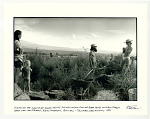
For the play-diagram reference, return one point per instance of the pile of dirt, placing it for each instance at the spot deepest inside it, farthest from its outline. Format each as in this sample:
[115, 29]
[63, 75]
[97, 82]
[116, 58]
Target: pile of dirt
[106, 95]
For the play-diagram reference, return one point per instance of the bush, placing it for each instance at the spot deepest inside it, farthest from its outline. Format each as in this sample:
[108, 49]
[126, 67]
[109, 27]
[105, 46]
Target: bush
[55, 73]
[69, 95]
[123, 83]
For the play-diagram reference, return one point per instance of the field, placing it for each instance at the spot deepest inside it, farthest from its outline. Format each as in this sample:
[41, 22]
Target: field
[56, 70]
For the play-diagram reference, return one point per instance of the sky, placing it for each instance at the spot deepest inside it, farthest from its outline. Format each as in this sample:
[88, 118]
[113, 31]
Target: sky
[109, 34]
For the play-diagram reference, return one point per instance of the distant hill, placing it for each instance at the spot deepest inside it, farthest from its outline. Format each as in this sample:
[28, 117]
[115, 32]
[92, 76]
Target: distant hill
[26, 44]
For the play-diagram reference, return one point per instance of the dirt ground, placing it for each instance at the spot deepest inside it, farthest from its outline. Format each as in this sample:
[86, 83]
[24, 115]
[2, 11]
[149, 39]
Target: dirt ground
[106, 95]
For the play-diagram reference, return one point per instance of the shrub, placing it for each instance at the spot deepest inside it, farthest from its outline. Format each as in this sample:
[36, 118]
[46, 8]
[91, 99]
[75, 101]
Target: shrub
[69, 95]
[55, 73]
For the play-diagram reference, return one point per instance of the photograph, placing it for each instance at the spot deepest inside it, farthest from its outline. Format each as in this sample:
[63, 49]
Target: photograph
[75, 58]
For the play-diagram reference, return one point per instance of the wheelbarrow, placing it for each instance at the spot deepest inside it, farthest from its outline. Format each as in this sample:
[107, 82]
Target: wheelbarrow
[81, 86]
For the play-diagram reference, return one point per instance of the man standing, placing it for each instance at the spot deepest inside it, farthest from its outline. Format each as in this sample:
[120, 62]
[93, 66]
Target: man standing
[126, 56]
[92, 56]
[92, 59]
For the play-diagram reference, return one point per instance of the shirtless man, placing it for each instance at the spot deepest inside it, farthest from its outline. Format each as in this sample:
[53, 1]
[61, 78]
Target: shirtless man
[126, 55]
[92, 59]
[92, 56]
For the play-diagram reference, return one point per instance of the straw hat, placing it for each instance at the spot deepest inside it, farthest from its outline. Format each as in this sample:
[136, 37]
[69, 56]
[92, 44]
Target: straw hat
[93, 45]
[128, 41]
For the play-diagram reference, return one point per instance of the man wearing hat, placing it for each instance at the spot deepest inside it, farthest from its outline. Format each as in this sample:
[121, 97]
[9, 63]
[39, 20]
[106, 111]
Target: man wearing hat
[92, 56]
[126, 54]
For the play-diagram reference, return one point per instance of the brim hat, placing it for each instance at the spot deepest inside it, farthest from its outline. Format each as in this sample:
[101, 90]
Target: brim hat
[128, 41]
[93, 45]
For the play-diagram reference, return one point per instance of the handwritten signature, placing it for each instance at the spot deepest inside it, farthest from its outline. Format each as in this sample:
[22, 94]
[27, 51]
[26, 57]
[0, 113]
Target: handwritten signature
[133, 107]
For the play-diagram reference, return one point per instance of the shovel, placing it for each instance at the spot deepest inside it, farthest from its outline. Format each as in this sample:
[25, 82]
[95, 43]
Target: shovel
[87, 74]
[91, 71]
